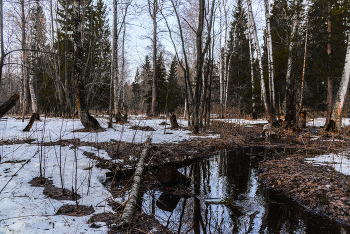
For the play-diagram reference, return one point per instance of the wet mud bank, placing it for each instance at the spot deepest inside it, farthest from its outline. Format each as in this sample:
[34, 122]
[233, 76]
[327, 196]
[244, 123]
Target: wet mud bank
[320, 190]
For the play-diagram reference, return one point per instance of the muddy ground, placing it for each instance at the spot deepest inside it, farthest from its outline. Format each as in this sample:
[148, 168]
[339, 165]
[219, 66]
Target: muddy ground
[318, 189]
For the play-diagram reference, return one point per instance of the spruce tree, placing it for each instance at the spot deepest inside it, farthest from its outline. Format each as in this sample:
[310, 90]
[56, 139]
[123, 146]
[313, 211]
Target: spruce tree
[239, 61]
[317, 59]
[161, 97]
[136, 92]
[174, 95]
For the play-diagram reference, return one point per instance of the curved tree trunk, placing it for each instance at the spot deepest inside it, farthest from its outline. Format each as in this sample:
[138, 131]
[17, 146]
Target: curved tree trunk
[89, 122]
[4, 108]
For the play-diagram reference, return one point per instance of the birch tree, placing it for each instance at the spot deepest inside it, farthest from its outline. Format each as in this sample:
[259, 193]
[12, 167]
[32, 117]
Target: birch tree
[257, 47]
[115, 84]
[270, 59]
[1, 39]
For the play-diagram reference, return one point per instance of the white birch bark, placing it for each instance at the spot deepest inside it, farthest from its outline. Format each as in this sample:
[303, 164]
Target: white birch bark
[251, 68]
[343, 88]
[1, 39]
[270, 55]
[257, 47]
[114, 66]
[130, 205]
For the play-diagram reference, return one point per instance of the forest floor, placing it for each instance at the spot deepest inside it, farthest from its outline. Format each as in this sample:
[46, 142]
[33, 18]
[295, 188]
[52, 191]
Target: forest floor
[287, 167]
[309, 165]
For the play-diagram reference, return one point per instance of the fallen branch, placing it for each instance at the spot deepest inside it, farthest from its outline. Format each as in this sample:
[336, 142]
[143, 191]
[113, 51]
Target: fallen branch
[130, 205]
[4, 108]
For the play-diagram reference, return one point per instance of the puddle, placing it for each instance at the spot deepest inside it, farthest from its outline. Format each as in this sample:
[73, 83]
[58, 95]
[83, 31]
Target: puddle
[229, 199]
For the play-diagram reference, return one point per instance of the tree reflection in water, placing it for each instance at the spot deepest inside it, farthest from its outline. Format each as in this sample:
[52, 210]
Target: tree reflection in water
[229, 199]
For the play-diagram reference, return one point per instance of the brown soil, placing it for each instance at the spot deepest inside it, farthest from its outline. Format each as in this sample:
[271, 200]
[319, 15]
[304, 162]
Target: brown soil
[142, 128]
[74, 210]
[53, 192]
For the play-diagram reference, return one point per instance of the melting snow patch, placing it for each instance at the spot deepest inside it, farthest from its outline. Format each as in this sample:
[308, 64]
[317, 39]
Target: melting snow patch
[339, 162]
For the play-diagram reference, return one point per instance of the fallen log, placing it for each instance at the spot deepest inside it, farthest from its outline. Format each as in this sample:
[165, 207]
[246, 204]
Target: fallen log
[130, 204]
[4, 108]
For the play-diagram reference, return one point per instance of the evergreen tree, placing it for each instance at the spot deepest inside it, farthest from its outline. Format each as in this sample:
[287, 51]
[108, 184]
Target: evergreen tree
[96, 54]
[174, 95]
[136, 91]
[280, 33]
[146, 81]
[317, 58]
[239, 61]
[161, 87]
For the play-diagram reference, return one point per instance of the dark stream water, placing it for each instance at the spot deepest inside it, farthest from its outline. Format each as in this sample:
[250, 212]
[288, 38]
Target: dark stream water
[229, 199]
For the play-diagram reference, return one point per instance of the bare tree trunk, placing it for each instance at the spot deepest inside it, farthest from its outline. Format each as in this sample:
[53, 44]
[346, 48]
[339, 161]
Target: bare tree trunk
[153, 13]
[4, 108]
[342, 92]
[290, 82]
[304, 67]
[114, 66]
[257, 47]
[24, 65]
[89, 122]
[329, 63]
[255, 116]
[270, 59]
[1, 40]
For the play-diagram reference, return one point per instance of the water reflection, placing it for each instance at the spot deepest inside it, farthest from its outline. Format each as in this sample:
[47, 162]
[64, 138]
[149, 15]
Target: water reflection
[229, 199]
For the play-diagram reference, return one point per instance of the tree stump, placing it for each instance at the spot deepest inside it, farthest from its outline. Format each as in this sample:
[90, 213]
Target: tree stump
[169, 176]
[302, 119]
[4, 108]
[35, 116]
[173, 121]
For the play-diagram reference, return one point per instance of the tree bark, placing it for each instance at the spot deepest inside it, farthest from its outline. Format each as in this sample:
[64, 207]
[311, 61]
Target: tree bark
[270, 59]
[257, 47]
[254, 114]
[1, 39]
[24, 58]
[4, 108]
[153, 14]
[342, 92]
[130, 205]
[89, 122]
[329, 78]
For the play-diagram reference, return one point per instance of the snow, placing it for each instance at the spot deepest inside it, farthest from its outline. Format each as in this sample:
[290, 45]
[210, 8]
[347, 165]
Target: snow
[340, 162]
[25, 209]
[54, 129]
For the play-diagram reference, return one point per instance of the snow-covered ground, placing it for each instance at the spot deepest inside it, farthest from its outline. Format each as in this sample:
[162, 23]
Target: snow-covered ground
[25, 209]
